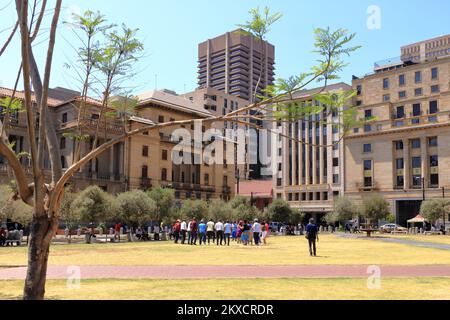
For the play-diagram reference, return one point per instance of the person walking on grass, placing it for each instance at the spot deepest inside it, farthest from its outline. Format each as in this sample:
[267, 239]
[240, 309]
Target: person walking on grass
[210, 231]
[219, 232]
[312, 234]
[202, 232]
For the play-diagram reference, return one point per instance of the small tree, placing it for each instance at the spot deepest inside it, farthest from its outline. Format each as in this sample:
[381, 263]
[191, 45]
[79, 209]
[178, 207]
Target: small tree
[343, 210]
[280, 211]
[375, 208]
[69, 215]
[135, 207]
[219, 210]
[296, 217]
[16, 211]
[164, 199]
[93, 205]
[243, 210]
[434, 209]
[194, 209]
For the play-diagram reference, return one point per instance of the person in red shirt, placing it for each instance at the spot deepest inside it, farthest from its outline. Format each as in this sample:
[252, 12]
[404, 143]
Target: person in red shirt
[117, 231]
[176, 230]
[194, 232]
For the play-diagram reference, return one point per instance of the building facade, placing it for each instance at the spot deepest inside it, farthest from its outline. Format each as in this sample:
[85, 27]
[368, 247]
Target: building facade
[403, 152]
[151, 154]
[141, 162]
[219, 103]
[236, 63]
[107, 171]
[309, 166]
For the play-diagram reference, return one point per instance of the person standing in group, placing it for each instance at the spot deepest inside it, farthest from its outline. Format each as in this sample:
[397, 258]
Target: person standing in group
[219, 232]
[234, 231]
[117, 227]
[194, 232]
[156, 233]
[256, 229]
[312, 234]
[202, 232]
[176, 230]
[245, 233]
[250, 233]
[188, 230]
[210, 231]
[239, 231]
[228, 230]
[183, 230]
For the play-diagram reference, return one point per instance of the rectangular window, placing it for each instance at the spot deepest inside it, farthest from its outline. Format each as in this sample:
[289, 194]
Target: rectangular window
[62, 143]
[433, 142]
[368, 114]
[335, 178]
[144, 172]
[145, 151]
[434, 73]
[367, 148]
[335, 162]
[64, 118]
[387, 97]
[367, 128]
[161, 119]
[399, 164]
[434, 161]
[359, 90]
[400, 112]
[367, 165]
[417, 172]
[418, 77]
[401, 80]
[415, 144]
[433, 107]
[402, 94]
[418, 92]
[386, 83]
[435, 89]
[417, 112]
[400, 181]
[398, 145]
[164, 155]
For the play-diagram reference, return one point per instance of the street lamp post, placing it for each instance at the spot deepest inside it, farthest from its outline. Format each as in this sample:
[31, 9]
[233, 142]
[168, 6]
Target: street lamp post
[423, 188]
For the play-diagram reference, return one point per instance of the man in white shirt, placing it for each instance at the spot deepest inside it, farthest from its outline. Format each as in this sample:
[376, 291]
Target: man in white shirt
[219, 232]
[256, 229]
[189, 231]
[183, 231]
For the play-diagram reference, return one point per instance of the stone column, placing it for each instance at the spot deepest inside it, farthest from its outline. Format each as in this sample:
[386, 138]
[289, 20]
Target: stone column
[321, 158]
[314, 154]
[307, 155]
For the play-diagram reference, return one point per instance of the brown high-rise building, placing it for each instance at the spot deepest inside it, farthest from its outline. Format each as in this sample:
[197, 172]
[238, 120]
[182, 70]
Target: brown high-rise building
[234, 62]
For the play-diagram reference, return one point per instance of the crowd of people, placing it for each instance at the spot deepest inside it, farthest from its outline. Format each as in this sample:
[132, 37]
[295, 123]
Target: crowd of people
[220, 233]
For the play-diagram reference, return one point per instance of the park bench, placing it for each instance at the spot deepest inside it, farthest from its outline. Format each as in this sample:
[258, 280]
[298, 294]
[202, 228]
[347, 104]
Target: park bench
[433, 233]
[399, 232]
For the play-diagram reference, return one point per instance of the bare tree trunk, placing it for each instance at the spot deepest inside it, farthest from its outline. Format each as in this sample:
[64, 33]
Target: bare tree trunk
[38, 252]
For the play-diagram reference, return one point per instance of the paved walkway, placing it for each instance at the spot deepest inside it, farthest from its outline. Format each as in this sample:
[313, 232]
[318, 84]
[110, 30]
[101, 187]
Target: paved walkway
[224, 272]
[423, 244]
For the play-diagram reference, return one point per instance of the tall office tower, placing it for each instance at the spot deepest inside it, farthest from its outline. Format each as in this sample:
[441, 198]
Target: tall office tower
[234, 63]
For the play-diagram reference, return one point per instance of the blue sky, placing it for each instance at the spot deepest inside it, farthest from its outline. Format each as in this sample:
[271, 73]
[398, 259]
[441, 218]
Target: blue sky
[171, 30]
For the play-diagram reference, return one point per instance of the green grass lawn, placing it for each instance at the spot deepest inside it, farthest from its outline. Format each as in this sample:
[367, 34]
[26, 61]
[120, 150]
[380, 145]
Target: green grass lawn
[332, 250]
[242, 289]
